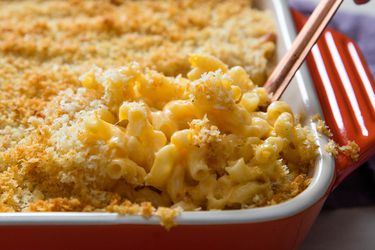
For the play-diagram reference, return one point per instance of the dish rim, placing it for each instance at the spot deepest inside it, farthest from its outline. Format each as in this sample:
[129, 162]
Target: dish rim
[323, 173]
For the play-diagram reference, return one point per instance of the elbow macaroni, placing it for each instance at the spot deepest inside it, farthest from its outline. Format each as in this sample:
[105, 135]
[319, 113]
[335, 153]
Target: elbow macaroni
[197, 142]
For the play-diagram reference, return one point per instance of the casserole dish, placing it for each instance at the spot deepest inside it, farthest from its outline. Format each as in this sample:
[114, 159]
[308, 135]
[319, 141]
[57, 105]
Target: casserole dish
[281, 226]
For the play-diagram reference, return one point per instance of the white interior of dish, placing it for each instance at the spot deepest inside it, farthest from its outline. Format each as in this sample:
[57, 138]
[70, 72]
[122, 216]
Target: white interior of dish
[300, 95]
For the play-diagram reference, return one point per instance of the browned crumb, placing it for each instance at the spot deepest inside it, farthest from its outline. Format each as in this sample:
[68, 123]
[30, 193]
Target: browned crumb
[167, 216]
[46, 45]
[316, 117]
[55, 205]
[332, 148]
[144, 209]
[4, 208]
[301, 117]
[321, 126]
[350, 150]
[147, 209]
[299, 183]
[73, 35]
[204, 133]
[124, 208]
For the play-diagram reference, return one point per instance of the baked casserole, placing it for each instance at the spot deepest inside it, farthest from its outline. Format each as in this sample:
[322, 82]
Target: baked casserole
[139, 106]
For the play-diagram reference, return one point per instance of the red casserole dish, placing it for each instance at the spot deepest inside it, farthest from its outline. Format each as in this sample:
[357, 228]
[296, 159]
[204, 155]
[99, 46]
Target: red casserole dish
[345, 90]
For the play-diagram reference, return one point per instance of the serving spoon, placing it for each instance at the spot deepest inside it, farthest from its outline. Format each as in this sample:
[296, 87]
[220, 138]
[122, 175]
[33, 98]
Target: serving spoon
[306, 39]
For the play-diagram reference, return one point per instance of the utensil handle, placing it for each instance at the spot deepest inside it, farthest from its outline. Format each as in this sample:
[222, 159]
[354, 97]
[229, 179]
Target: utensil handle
[293, 59]
[346, 91]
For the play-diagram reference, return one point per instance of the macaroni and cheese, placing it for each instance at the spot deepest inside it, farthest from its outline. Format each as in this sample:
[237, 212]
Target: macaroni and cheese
[181, 127]
[210, 140]
[201, 142]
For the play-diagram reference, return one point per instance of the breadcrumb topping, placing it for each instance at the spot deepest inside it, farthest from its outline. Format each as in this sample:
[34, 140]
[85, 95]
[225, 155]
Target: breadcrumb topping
[144, 209]
[350, 150]
[47, 161]
[332, 148]
[167, 216]
[204, 132]
[321, 126]
[45, 41]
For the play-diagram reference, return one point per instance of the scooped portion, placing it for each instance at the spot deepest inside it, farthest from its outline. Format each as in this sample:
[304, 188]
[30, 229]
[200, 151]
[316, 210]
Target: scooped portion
[130, 135]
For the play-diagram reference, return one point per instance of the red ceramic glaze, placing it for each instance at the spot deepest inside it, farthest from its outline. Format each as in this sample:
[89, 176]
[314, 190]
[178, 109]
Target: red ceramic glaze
[361, 1]
[345, 88]
[284, 234]
[341, 113]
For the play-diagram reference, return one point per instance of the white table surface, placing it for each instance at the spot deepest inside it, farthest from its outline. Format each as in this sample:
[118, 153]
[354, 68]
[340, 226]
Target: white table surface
[345, 229]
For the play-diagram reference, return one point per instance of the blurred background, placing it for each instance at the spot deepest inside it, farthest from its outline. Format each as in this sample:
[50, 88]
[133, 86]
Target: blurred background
[347, 220]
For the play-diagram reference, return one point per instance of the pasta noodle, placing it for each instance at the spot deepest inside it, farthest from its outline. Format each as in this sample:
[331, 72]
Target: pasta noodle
[166, 118]
[209, 145]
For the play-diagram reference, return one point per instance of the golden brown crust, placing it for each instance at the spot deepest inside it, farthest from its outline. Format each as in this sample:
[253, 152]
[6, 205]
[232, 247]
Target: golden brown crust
[299, 183]
[321, 126]
[350, 150]
[167, 216]
[46, 45]
[55, 205]
[158, 34]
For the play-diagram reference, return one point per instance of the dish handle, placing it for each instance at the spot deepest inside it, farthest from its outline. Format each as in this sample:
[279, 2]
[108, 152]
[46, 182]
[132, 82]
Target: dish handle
[345, 88]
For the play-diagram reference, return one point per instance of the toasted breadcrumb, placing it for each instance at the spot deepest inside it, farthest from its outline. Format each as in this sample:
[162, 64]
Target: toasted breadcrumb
[4, 208]
[55, 205]
[168, 216]
[301, 117]
[124, 208]
[144, 209]
[204, 133]
[332, 148]
[299, 183]
[321, 126]
[147, 210]
[40, 40]
[46, 164]
[350, 150]
[46, 45]
[316, 117]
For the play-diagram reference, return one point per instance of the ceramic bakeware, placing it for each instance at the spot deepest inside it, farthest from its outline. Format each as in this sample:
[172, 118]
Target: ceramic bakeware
[338, 85]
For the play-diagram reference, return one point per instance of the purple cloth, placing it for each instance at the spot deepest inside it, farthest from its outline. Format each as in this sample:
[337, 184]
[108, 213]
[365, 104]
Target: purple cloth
[359, 188]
